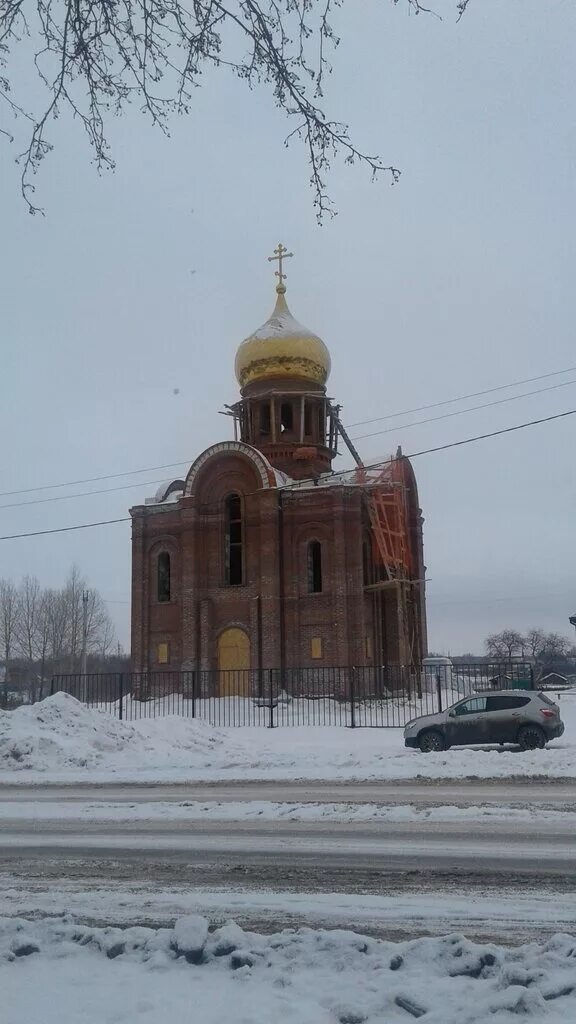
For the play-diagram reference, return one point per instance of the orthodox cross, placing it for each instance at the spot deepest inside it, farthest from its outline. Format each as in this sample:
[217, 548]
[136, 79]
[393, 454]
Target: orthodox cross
[280, 253]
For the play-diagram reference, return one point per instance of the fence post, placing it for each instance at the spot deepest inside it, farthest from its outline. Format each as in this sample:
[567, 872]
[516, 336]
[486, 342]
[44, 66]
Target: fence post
[439, 690]
[121, 697]
[531, 677]
[271, 699]
[52, 687]
[193, 693]
[352, 697]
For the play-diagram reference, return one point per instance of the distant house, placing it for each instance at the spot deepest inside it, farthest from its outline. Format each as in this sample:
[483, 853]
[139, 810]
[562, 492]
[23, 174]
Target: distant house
[552, 680]
[499, 682]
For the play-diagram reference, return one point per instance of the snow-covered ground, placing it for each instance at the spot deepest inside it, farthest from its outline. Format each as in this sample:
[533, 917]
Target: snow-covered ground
[61, 972]
[289, 711]
[96, 811]
[502, 914]
[60, 739]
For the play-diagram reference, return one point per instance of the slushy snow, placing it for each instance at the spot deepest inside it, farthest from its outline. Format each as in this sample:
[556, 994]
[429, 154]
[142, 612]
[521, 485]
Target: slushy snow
[122, 812]
[61, 972]
[60, 739]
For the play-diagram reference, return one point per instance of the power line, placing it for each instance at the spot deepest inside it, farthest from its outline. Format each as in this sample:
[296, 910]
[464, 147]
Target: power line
[358, 437]
[493, 433]
[311, 480]
[460, 412]
[376, 419]
[462, 398]
[82, 494]
[66, 529]
[95, 479]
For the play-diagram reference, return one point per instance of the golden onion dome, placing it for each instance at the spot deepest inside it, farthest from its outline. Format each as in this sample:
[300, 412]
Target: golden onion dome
[282, 347]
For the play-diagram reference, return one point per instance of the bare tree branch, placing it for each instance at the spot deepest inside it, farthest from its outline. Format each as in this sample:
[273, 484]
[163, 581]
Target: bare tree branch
[93, 57]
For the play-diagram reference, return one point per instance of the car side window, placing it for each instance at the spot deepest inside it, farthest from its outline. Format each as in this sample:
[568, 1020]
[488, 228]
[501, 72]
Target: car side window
[471, 707]
[504, 702]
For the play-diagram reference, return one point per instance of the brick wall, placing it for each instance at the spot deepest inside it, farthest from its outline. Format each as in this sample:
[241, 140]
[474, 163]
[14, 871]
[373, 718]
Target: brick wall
[282, 621]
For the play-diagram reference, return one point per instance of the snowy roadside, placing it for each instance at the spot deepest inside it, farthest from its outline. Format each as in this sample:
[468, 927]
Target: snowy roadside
[60, 740]
[492, 913]
[102, 976]
[95, 811]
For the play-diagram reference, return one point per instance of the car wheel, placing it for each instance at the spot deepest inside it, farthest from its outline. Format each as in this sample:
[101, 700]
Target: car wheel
[431, 741]
[531, 737]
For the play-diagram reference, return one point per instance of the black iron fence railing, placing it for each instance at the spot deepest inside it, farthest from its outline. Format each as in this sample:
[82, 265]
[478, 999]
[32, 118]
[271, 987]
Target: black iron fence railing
[381, 696]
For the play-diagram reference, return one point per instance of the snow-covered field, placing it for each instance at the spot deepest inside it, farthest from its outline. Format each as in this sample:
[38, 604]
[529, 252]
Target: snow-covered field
[61, 972]
[60, 739]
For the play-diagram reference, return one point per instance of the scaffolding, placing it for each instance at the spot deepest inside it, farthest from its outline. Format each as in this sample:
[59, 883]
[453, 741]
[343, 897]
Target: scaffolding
[386, 489]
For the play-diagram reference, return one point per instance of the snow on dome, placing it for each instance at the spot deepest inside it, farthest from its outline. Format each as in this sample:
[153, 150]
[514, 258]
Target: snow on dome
[283, 323]
[282, 347]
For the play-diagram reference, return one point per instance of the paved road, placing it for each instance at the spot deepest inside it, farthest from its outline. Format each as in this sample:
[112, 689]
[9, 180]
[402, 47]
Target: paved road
[316, 847]
[149, 871]
[521, 792]
[494, 881]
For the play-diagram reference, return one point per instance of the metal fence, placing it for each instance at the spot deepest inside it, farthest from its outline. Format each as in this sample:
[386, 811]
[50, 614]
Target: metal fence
[383, 696]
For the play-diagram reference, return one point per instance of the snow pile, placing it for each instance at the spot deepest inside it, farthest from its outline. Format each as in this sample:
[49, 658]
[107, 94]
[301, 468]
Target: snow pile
[66, 972]
[61, 732]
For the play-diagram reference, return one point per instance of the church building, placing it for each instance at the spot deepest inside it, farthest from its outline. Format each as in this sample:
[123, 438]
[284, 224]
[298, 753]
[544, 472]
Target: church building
[264, 556]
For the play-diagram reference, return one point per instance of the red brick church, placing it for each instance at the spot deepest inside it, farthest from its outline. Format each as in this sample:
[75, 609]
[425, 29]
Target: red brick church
[264, 557]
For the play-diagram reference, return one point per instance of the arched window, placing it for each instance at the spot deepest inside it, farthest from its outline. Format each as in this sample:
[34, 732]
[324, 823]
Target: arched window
[265, 419]
[234, 541]
[315, 567]
[163, 576]
[321, 430]
[286, 417]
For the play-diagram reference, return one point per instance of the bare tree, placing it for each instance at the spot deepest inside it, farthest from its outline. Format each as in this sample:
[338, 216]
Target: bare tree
[107, 638]
[72, 597]
[535, 642]
[93, 58]
[555, 647]
[27, 623]
[99, 629]
[43, 637]
[8, 618]
[505, 645]
[56, 612]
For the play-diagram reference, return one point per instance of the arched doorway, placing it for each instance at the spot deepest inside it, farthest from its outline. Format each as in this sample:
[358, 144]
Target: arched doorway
[234, 663]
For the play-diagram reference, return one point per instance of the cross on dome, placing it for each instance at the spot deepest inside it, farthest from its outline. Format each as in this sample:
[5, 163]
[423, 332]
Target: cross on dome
[280, 253]
[282, 348]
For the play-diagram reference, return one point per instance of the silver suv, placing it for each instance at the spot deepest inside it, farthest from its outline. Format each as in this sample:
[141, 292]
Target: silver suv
[528, 718]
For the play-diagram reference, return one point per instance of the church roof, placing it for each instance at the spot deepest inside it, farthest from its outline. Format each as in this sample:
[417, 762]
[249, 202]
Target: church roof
[171, 492]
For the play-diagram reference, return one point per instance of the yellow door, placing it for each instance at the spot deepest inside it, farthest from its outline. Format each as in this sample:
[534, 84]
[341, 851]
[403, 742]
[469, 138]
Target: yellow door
[234, 663]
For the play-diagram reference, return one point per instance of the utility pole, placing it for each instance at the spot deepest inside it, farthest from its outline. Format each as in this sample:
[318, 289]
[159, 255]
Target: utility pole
[84, 644]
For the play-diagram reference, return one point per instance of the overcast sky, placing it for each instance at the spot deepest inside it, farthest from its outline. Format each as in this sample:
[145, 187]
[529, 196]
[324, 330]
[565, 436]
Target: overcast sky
[458, 279]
